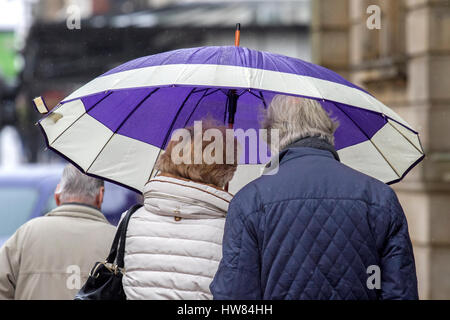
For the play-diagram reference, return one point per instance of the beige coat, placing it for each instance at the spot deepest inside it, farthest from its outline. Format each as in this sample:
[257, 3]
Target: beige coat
[50, 257]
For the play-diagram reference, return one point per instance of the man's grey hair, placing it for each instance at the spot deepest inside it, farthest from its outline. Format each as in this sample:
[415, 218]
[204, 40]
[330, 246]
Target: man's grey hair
[296, 118]
[76, 185]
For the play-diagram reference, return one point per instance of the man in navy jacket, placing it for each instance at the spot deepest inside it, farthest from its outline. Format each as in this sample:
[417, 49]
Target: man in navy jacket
[316, 229]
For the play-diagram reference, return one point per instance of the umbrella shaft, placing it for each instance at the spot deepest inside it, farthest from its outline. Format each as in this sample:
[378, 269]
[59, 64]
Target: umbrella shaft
[232, 105]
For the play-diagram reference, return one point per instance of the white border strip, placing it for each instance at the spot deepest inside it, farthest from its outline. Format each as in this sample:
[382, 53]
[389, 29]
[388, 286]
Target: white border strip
[234, 76]
[98, 150]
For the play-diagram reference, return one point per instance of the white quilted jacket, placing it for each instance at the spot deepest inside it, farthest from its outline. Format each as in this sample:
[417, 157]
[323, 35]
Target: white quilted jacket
[174, 242]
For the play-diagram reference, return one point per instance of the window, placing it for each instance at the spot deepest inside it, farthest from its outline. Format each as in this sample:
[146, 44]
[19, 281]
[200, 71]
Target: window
[17, 207]
[51, 204]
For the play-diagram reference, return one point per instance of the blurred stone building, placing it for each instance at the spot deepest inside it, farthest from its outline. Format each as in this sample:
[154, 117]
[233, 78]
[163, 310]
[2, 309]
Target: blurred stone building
[406, 64]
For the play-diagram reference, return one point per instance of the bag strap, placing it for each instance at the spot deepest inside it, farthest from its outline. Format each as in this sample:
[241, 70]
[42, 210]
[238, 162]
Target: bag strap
[120, 236]
[123, 235]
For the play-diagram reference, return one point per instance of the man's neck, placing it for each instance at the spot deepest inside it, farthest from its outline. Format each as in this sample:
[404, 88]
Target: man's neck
[79, 203]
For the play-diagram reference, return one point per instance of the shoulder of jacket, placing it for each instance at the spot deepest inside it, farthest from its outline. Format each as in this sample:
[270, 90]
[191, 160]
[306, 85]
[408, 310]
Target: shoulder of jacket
[248, 199]
[25, 230]
[32, 223]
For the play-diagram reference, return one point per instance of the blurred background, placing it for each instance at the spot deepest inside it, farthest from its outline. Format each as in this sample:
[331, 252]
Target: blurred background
[45, 50]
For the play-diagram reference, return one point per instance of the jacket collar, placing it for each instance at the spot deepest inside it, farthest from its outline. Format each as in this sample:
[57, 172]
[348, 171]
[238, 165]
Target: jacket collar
[309, 146]
[78, 210]
[172, 196]
[316, 143]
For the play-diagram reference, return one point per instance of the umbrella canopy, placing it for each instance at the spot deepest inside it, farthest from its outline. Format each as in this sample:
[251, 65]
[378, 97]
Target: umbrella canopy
[116, 125]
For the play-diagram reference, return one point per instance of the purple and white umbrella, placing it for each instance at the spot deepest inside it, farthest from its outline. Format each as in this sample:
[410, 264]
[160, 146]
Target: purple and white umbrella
[116, 125]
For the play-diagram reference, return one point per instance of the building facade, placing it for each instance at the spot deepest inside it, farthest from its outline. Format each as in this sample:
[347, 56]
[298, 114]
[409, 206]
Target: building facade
[406, 64]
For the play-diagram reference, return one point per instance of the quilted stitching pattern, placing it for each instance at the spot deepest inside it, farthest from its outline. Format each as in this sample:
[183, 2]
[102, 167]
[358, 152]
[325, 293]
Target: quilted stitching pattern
[316, 226]
[170, 258]
[311, 231]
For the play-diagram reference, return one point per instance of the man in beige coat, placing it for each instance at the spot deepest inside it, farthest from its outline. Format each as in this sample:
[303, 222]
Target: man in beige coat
[50, 257]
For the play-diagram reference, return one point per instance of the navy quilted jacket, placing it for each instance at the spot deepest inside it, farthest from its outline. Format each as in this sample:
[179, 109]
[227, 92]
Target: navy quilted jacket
[312, 231]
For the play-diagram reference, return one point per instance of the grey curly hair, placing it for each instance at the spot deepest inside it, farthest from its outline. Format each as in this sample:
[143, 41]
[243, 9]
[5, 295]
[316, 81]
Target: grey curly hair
[296, 118]
[75, 184]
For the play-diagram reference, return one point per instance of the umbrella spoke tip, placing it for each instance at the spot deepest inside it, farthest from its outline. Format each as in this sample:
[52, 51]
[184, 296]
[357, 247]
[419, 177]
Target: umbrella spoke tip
[40, 105]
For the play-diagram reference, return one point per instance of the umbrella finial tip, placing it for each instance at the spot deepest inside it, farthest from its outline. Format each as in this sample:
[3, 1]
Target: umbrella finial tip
[237, 35]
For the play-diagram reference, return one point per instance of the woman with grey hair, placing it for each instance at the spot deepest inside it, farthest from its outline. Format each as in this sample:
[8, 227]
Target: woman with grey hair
[316, 229]
[173, 244]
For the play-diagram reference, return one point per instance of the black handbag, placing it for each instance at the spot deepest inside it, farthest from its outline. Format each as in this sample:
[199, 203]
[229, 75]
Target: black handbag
[105, 278]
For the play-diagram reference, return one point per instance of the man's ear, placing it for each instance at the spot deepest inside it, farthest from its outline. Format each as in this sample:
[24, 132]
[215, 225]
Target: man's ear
[99, 197]
[57, 199]
[57, 195]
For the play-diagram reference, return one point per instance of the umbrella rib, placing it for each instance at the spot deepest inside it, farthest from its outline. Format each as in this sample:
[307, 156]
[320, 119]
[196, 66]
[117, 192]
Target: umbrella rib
[226, 109]
[76, 120]
[176, 116]
[171, 127]
[121, 124]
[253, 94]
[379, 151]
[263, 99]
[420, 151]
[260, 97]
[201, 90]
[212, 92]
[244, 91]
[195, 108]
